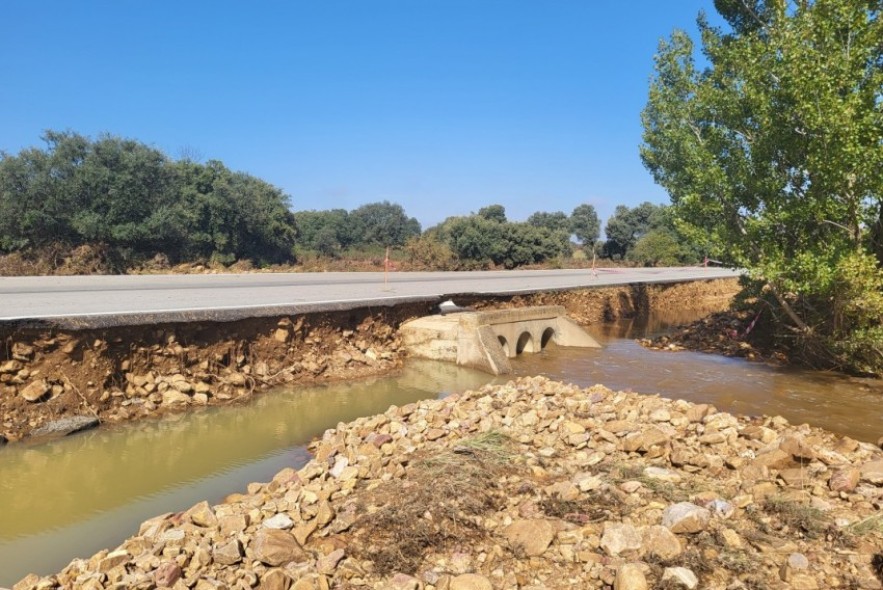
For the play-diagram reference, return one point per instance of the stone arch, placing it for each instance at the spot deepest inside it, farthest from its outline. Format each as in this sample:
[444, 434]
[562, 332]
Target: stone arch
[504, 344]
[525, 342]
[548, 335]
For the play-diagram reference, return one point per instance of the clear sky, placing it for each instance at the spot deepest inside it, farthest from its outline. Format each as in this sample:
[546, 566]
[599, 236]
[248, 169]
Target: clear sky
[443, 106]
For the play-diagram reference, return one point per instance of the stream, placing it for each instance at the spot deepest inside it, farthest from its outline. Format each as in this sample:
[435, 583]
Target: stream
[72, 497]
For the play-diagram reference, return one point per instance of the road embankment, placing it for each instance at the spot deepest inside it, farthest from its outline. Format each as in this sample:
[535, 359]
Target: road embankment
[55, 380]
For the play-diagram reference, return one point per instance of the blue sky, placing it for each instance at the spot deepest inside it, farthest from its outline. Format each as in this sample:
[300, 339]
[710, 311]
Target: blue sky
[443, 106]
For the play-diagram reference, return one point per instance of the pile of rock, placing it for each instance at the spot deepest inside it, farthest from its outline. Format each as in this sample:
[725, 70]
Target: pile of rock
[537, 484]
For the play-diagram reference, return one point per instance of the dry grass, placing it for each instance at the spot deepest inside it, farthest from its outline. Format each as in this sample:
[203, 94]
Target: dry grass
[796, 517]
[620, 472]
[870, 525]
[438, 505]
[707, 555]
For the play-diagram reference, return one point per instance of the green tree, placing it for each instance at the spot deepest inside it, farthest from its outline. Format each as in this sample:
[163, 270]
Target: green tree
[772, 156]
[478, 242]
[475, 240]
[524, 243]
[626, 226]
[493, 213]
[556, 222]
[327, 232]
[658, 247]
[384, 224]
[585, 225]
[136, 202]
[232, 215]
[428, 251]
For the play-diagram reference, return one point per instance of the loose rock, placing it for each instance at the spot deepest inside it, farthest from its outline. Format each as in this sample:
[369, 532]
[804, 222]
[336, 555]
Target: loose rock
[686, 517]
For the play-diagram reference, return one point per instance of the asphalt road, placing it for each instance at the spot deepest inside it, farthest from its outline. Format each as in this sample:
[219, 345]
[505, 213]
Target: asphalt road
[100, 301]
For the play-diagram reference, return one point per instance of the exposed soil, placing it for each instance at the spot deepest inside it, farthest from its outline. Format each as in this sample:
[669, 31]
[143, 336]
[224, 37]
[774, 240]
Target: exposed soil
[127, 373]
[734, 333]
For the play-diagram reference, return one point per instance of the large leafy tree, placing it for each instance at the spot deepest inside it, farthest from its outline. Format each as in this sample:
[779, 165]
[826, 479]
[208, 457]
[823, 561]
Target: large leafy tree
[628, 225]
[327, 232]
[384, 224]
[585, 225]
[493, 213]
[135, 201]
[477, 241]
[771, 151]
[556, 221]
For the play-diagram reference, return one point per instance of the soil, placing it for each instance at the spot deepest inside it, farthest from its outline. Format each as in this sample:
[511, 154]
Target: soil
[128, 373]
[734, 333]
[92, 259]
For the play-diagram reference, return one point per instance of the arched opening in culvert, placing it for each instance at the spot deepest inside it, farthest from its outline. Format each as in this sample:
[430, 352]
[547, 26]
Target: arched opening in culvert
[548, 335]
[504, 344]
[525, 342]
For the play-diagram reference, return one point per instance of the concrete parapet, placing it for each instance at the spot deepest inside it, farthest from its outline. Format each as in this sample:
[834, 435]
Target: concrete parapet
[486, 340]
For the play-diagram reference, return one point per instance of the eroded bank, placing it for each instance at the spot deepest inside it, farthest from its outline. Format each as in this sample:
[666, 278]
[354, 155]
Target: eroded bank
[129, 373]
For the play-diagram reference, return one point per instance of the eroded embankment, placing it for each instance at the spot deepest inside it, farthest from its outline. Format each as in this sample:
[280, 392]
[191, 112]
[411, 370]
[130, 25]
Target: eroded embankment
[126, 373]
[533, 484]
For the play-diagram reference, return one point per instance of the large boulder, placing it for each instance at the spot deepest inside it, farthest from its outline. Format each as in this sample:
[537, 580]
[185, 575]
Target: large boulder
[276, 547]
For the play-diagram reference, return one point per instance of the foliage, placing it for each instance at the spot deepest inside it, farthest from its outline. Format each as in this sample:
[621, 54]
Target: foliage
[227, 216]
[479, 242]
[626, 226]
[476, 241]
[772, 158]
[326, 232]
[657, 247]
[383, 224]
[585, 225]
[493, 213]
[136, 202]
[555, 222]
[428, 251]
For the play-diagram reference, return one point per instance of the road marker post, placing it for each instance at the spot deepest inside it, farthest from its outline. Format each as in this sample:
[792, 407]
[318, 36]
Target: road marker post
[386, 270]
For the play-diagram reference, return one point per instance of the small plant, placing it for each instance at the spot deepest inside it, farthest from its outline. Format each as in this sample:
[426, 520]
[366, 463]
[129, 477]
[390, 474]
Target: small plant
[866, 526]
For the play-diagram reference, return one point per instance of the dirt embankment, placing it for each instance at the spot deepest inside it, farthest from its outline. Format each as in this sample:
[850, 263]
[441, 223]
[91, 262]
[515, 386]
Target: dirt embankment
[533, 484]
[127, 373]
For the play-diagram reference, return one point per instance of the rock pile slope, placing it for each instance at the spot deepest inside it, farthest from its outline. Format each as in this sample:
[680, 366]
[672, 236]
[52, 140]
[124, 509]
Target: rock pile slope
[533, 484]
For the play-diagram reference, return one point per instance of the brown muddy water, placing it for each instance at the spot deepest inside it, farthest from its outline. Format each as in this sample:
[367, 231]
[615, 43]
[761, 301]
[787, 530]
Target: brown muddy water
[72, 497]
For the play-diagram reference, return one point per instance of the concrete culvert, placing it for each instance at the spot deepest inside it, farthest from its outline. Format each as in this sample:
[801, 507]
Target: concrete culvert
[504, 344]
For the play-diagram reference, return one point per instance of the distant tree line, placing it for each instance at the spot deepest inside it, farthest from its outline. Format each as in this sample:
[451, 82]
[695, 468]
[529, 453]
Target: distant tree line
[136, 202]
[643, 235]
[333, 232]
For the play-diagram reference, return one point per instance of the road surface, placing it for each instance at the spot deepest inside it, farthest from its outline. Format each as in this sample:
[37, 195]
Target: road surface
[101, 301]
